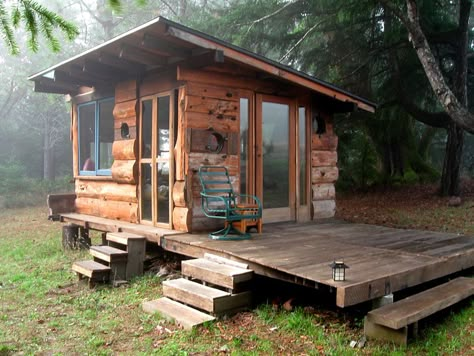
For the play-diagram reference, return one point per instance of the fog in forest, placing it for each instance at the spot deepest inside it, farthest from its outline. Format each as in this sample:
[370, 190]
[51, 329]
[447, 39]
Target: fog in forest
[348, 46]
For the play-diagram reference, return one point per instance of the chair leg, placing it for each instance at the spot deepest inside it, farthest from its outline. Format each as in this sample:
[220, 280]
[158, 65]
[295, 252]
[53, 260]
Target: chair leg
[229, 233]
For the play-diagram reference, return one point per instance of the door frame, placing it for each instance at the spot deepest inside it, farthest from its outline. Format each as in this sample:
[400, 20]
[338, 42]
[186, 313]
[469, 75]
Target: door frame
[154, 160]
[286, 213]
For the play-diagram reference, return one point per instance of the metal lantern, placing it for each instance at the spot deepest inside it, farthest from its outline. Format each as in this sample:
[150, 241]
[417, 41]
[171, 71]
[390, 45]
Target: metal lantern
[339, 270]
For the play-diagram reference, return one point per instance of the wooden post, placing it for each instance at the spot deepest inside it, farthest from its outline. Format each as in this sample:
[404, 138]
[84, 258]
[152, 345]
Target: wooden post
[84, 238]
[104, 238]
[70, 236]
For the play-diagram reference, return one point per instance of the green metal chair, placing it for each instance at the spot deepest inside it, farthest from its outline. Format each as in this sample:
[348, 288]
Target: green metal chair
[218, 201]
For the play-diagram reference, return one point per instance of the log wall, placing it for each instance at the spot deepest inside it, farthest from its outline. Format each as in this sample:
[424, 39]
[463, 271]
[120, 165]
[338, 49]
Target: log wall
[115, 197]
[204, 109]
[324, 171]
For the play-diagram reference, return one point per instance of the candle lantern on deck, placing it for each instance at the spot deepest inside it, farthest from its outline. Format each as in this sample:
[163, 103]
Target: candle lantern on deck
[339, 270]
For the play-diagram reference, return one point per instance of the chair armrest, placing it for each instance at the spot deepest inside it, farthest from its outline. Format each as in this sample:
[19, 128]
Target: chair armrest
[210, 211]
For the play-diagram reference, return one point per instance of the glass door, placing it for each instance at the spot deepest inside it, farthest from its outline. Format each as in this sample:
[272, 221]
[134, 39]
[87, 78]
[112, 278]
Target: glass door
[156, 159]
[276, 157]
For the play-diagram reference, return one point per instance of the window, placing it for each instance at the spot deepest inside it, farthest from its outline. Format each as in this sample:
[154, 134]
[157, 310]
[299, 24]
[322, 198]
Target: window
[96, 136]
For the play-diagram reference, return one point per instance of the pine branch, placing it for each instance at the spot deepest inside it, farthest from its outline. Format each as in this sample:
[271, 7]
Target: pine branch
[7, 31]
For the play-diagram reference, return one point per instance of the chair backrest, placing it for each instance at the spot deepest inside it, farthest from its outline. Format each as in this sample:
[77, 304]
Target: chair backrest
[215, 180]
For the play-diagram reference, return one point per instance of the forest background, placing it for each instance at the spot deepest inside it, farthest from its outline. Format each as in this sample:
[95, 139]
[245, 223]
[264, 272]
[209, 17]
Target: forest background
[359, 45]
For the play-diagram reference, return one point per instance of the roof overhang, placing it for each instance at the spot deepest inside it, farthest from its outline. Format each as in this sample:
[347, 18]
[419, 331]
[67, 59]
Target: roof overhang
[162, 44]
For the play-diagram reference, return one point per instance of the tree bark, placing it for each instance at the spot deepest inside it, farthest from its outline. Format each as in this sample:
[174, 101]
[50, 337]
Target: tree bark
[450, 179]
[453, 106]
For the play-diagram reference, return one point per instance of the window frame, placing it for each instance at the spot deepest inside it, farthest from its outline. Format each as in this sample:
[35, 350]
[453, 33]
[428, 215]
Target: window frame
[96, 171]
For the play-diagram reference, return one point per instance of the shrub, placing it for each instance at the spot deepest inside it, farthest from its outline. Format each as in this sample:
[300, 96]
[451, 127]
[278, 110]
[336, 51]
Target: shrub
[18, 190]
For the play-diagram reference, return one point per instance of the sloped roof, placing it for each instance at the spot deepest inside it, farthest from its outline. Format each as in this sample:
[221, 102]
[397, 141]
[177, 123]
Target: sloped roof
[160, 43]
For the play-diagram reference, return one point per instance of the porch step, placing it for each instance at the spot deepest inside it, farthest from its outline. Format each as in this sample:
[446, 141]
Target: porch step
[216, 273]
[391, 321]
[93, 270]
[108, 253]
[135, 245]
[124, 238]
[183, 315]
[205, 298]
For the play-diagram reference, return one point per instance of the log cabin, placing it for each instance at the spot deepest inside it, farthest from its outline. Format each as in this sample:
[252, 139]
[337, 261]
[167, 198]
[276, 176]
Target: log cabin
[150, 106]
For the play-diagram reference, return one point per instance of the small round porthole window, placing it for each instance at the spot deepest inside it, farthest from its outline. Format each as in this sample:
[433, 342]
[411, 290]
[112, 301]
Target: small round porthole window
[215, 142]
[124, 130]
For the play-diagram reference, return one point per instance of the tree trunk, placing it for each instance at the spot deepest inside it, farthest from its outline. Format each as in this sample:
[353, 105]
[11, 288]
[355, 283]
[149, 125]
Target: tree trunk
[450, 180]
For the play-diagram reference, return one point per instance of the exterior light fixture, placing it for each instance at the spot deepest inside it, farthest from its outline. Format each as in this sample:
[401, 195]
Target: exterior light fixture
[339, 270]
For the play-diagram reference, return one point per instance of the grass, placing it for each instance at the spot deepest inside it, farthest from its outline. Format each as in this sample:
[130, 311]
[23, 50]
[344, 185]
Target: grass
[43, 310]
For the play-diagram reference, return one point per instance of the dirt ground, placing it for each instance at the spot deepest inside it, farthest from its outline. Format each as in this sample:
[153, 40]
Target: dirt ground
[415, 207]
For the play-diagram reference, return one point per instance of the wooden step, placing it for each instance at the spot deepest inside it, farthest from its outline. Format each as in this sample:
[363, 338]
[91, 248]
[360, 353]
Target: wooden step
[123, 238]
[108, 253]
[135, 245]
[183, 315]
[390, 322]
[215, 273]
[94, 270]
[205, 298]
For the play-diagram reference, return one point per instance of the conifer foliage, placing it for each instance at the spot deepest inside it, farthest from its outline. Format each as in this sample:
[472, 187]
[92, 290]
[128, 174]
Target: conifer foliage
[37, 20]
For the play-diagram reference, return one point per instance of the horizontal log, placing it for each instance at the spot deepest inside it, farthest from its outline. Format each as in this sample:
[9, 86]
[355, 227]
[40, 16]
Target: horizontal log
[179, 194]
[182, 219]
[323, 158]
[324, 142]
[125, 149]
[324, 191]
[324, 209]
[324, 175]
[116, 210]
[205, 121]
[125, 171]
[158, 82]
[211, 106]
[196, 186]
[107, 191]
[125, 91]
[215, 92]
[132, 132]
[205, 224]
[126, 112]
[196, 160]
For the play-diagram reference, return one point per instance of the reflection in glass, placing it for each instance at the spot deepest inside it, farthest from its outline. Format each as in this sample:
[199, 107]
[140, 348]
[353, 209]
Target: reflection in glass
[163, 125]
[302, 139]
[87, 137]
[244, 131]
[163, 201]
[275, 147]
[146, 128]
[147, 191]
[106, 134]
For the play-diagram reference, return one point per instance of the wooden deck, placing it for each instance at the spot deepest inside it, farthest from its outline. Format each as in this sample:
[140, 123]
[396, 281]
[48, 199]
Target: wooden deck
[382, 260]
